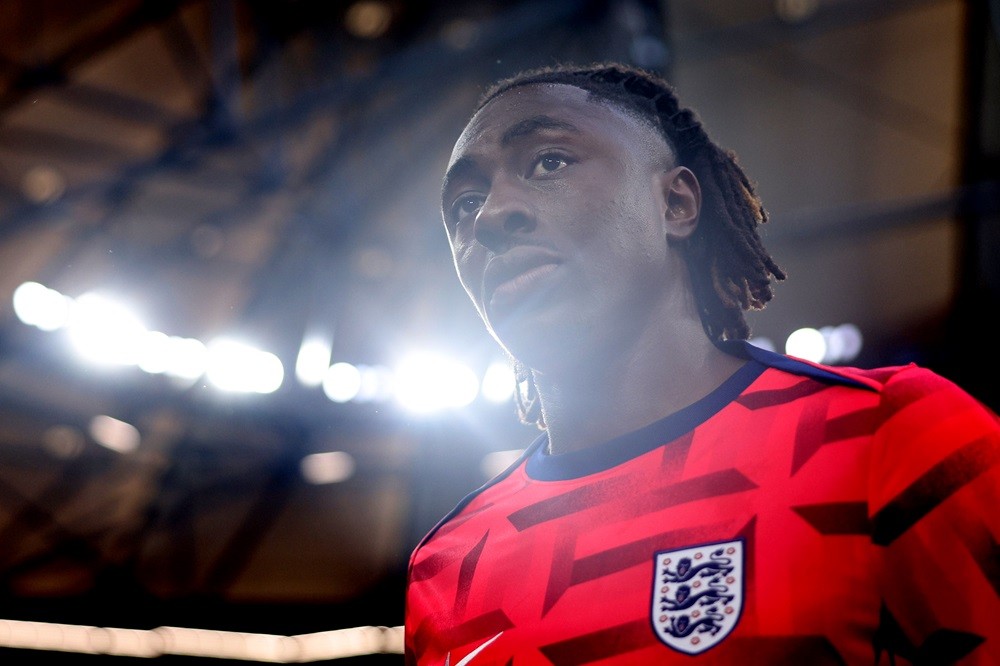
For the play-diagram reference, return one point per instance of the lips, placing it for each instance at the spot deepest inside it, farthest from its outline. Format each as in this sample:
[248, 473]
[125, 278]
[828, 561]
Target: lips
[514, 274]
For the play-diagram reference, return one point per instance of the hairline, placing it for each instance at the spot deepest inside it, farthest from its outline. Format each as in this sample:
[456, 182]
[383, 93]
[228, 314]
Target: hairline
[594, 95]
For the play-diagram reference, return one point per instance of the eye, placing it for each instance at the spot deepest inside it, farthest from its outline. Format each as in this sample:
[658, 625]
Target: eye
[547, 163]
[466, 206]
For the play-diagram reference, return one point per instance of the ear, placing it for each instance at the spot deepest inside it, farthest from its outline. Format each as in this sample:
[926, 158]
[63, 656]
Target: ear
[681, 202]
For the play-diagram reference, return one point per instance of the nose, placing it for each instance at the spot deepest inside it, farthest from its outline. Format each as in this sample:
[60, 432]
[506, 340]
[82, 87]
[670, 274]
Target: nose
[505, 213]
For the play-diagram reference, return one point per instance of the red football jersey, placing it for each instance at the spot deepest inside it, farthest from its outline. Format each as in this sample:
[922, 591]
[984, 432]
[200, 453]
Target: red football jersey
[799, 514]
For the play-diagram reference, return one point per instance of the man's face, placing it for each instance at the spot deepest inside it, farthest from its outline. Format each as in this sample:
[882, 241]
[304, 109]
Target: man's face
[554, 209]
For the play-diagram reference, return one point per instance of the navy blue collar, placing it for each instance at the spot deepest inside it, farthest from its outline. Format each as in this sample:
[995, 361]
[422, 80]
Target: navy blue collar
[545, 467]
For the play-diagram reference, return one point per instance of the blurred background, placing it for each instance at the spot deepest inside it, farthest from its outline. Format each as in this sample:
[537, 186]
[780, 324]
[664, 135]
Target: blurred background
[238, 377]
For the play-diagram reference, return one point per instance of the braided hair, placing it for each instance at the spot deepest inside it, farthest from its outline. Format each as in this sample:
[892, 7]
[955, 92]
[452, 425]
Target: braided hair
[731, 270]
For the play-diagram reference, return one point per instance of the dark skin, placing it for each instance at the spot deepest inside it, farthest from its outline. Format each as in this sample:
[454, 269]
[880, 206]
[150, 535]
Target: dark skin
[565, 218]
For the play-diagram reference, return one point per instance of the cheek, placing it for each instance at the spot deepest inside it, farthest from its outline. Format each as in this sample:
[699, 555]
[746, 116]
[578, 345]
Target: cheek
[639, 213]
[613, 204]
[469, 264]
[627, 243]
[625, 222]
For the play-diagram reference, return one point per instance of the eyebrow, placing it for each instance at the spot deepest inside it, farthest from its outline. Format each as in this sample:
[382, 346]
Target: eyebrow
[464, 167]
[467, 166]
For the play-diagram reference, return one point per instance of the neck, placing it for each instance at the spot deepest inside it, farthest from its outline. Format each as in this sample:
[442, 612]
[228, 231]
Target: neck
[587, 404]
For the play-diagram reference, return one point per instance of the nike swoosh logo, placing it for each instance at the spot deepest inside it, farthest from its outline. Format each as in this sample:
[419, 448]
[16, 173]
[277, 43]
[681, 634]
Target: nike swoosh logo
[469, 657]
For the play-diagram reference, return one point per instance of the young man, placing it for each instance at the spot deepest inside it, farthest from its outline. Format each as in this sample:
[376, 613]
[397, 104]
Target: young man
[692, 498]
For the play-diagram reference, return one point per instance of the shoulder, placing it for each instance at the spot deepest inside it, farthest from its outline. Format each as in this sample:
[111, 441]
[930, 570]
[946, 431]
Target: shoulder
[902, 387]
[897, 385]
[916, 398]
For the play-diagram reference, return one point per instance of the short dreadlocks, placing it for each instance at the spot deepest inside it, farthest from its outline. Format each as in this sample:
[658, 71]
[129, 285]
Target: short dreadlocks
[731, 270]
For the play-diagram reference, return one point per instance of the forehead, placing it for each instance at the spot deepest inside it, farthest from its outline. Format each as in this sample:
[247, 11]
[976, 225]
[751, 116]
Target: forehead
[549, 106]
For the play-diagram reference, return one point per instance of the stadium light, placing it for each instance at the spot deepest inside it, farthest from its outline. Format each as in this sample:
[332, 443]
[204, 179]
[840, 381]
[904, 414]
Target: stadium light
[239, 367]
[427, 382]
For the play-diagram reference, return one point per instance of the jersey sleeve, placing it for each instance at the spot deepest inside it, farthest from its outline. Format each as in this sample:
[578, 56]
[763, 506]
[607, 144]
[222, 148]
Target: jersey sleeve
[934, 506]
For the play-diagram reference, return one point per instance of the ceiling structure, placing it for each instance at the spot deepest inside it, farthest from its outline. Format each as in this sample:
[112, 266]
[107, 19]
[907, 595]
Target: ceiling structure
[270, 170]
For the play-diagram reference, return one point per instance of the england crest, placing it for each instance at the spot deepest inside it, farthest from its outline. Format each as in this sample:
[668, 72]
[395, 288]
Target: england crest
[697, 595]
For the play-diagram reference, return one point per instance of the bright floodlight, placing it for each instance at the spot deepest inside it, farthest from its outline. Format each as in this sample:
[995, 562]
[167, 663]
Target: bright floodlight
[376, 383]
[341, 382]
[498, 382]
[37, 305]
[328, 467]
[238, 367]
[104, 331]
[153, 352]
[806, 343]
[427, 382]
[313, 360]
[186, 358]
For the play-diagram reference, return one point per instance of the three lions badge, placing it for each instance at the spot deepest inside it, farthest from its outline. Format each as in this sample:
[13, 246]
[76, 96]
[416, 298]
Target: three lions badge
[697, 595]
